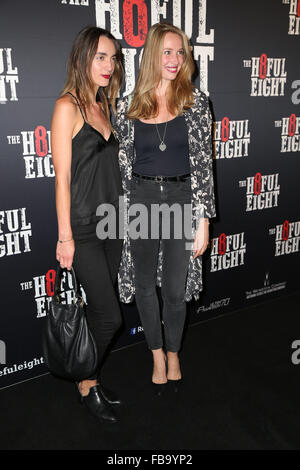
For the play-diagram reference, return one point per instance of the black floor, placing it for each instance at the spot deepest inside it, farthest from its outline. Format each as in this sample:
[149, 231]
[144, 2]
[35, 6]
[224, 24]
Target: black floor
[241, 391]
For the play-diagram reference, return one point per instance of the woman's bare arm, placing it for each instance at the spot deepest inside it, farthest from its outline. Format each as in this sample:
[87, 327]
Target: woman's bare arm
[62, 128]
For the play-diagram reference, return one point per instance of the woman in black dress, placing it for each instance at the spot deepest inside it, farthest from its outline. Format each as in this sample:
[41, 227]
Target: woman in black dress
[87, 174]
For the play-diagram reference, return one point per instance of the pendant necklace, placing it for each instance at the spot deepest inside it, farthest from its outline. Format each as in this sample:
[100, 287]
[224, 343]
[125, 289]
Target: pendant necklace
[162, 145]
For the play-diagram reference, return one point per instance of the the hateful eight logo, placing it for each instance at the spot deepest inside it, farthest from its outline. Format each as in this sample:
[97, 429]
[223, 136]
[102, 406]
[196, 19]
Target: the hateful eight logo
[268, 75]
[15, 232]
[8, 76]
[36, 152]
[231, 138]
[228, 251]
[290, 133]
[43, 287]
[129, 21]
[262, 191]
[287, 237]
[294, 16]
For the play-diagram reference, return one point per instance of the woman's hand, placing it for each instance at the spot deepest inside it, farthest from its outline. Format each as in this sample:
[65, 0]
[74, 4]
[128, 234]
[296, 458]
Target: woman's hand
[65, 253]
[201, 241]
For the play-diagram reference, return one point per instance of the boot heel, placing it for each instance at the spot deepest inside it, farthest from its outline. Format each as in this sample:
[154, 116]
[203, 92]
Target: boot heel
[98, 406]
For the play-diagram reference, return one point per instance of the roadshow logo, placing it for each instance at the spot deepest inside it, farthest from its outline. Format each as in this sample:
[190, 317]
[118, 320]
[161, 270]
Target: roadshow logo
[267, 288]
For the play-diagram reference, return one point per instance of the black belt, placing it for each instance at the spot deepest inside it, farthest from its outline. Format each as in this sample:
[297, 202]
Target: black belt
[160, 179]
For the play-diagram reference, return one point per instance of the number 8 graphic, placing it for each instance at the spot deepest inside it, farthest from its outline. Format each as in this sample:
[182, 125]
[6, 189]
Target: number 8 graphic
[222, 244]
[263, 66]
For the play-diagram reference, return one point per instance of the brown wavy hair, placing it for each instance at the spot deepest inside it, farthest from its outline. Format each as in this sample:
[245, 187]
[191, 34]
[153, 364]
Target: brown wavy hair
[79, 70]
[180, 92]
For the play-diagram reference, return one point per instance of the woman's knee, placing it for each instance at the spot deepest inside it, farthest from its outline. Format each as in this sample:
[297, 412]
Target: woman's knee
[144, 289]
[173, 296]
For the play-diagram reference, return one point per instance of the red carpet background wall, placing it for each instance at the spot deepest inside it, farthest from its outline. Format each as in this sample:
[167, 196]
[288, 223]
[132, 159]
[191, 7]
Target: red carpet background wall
[247, 56]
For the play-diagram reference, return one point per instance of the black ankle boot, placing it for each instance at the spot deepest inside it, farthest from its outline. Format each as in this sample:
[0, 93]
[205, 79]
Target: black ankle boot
[109, 396]
[98, 406]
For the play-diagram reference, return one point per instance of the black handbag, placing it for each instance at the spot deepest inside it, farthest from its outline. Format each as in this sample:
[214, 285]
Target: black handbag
[70, 350]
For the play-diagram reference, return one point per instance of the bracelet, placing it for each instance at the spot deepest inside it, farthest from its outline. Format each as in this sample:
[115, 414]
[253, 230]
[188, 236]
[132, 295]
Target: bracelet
[64, 241]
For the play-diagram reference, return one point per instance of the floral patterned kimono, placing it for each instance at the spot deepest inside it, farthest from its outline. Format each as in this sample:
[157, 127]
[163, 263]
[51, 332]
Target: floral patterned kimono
[199, 124]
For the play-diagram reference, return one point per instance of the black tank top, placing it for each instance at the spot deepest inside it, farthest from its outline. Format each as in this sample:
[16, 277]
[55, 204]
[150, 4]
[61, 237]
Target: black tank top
[150, 160]
[95, 173]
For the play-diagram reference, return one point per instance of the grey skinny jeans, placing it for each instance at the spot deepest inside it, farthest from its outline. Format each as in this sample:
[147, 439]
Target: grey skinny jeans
[174, 266]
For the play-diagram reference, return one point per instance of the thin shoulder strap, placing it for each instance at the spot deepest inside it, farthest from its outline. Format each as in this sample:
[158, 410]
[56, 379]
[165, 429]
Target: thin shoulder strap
[77, 103]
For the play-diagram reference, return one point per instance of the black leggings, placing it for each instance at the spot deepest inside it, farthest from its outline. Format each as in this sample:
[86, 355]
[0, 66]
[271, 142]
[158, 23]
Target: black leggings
[96, 263]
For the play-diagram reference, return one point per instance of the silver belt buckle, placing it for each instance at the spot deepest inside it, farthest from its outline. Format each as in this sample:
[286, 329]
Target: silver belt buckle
[159, 179]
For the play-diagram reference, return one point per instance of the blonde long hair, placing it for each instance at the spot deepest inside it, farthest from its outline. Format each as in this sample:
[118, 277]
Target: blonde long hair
[180, 93]
[79, 67]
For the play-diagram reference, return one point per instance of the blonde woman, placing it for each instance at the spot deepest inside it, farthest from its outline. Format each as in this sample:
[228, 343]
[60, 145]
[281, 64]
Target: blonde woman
[165, 158]
[85, 156]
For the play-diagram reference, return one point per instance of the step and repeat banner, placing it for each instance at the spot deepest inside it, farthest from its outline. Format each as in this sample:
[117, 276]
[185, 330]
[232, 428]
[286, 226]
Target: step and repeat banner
[247, 58]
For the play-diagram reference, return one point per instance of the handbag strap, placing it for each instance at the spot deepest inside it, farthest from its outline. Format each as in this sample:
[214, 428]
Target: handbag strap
[57, 284]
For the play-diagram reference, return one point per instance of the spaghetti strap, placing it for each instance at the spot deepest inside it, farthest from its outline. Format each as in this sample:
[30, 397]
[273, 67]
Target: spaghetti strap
[68, 92]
